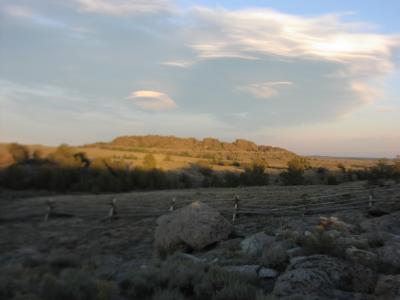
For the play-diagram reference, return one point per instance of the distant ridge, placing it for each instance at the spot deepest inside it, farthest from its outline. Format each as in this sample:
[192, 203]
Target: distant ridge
[172, 142]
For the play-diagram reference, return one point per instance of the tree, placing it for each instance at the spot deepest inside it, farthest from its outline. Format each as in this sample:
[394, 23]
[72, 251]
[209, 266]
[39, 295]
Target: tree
[18, 152]
[295, 172]
[149, 161]
[255, 175]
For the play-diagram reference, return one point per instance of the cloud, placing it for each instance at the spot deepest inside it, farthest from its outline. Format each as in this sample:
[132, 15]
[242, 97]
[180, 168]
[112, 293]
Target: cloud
[18, 11]
[152, 100]
[124, 7]
[367, 93]
[178, 63]
[265, 90]
[256, 32]
[27, 13]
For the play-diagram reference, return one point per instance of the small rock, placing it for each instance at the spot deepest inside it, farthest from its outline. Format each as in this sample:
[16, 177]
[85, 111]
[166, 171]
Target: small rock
[362, 257]
[192, 258]
[251, 270]
[352, 241]
[267, 273]
[295, 252]
[254, 244]
[388, 287]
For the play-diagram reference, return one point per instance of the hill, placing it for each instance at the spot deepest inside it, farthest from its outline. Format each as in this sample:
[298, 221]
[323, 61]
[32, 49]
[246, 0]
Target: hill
[220, 153]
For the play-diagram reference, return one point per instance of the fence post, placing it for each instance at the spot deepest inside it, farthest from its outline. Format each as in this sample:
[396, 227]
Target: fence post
[305, 198]
[304, 210]
[113, 209]
[172, 206]
[371, 199]
[236, 209]
[49, 210]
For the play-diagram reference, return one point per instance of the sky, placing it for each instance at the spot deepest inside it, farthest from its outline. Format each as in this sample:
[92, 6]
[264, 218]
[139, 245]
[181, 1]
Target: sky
[318, 77]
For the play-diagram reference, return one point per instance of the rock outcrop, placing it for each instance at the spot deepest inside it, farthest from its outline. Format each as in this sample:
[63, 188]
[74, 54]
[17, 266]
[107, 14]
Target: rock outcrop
[323, 277]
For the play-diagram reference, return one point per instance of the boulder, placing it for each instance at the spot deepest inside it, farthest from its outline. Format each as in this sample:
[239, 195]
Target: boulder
[323, 277]
[389, 223]
[389, 256]
[253, 245]
[195, 226]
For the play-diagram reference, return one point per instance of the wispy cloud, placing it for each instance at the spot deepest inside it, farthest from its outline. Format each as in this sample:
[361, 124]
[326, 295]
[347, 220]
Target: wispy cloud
[178, 63]
[125, 7]
[367, 93]
[152, 100]
[266, 90]
[263, 31]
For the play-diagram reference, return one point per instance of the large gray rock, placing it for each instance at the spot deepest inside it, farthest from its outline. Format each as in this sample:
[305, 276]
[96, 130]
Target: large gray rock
[253, 245]
[195, 226]
[389, 256]
[389, 223]
[323, 277]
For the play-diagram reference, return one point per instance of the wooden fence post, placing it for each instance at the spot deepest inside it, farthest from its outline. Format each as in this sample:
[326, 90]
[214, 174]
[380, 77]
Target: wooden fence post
[304, 210]
[113, 209]
[236, 209]
[172, 206]
[371, 199]
[49, 210]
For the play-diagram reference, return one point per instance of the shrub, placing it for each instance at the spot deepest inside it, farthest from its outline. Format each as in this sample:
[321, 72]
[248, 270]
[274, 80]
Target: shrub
[168, 295]
[149, 161]
[332, 180]
[318, 242]
[60, 262]
[295, 172]
[18, 152]
[255, 175]
[106, 290]
[237, 291]
[274, 257]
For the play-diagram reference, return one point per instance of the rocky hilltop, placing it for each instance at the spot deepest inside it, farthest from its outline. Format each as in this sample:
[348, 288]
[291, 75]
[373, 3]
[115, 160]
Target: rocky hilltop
[172, 142]
[240, 149]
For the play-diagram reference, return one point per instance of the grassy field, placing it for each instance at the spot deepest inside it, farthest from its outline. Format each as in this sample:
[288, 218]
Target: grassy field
[80, 223]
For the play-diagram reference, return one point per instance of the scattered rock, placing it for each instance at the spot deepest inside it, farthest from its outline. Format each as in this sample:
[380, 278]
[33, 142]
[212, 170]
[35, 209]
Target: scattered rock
[251, 270]
[353, 241]
[362, 257]
[267, 273]
[192, 258]
[388, 287]
[253, 245]
[295, 252]
[195, 226]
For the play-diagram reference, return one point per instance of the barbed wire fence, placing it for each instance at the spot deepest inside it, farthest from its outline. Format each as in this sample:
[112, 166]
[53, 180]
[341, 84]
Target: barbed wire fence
[235, 208]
